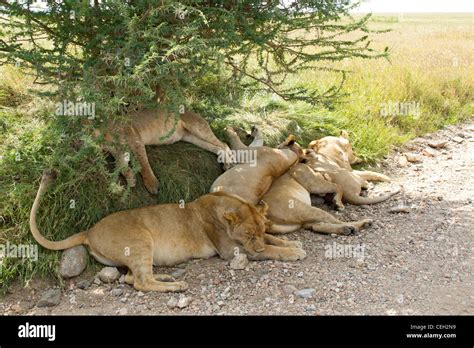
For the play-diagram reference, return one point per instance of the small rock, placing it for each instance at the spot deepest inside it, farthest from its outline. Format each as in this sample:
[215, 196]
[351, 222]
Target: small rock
[117, 292]
[400, 209]
[391, 312]
[429, 152]
[289, 289]
[122, 279]
[140, 294]
[84, 284]
[402, 161]
[239, 261]
[178, 273]
[122, 311]
[50, 298]
[109, 274]
[437, 144]
[172, 303]
[305, 293]
[183, 301]
[16, 308]
[458, 140]
[412, 158]
[96, 281]
[73, 262]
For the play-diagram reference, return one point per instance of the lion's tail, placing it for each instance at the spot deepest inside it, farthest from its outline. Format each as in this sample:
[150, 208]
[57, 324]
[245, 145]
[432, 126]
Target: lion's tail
[77, 239]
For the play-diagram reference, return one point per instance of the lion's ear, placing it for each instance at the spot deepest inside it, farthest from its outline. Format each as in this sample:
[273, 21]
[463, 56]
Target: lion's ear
[231, 217]
[262, 208]
[344, 134]
[290, 140]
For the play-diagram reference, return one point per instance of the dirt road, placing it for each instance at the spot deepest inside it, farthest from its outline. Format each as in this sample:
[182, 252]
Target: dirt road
[420, 261]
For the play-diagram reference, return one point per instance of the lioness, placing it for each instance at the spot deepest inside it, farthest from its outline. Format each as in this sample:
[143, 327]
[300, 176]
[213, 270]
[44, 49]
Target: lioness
[288, 197]
[251, 182]
[349, 183]
[339, 150]
[156, 127]
[166, 234]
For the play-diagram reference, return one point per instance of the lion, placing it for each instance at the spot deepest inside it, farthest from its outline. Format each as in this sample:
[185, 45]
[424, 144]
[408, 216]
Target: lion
[339, 150]
[156, 127]
[251, 181]
[350, 183]
[288, 197]
[167, 234]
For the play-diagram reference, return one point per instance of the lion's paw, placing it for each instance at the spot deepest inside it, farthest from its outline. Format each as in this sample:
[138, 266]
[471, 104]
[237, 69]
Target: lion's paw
[294, 254]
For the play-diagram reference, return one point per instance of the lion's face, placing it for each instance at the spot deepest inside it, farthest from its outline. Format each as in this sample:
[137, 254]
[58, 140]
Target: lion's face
[247, 227]
[337, 148]
[346, 151]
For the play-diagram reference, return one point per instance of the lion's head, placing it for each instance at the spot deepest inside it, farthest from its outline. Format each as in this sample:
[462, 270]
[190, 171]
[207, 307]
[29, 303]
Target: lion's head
[247, 226]
[336, 148]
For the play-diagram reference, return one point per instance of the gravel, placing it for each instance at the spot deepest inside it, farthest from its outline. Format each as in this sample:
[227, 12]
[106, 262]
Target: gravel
[50, 298]
[416, 263]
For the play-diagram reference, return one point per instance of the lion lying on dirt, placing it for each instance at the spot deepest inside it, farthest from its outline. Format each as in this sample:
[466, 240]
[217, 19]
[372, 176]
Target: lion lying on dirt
[288, 197]
[154, 127]
[333, 156]
[348, 183]
[167, 234]
[339, 149]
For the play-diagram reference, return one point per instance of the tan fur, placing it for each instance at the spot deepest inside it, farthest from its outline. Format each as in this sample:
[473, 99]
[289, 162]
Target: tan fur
[154, 127]
[334, 156]
[167, 234]
[289, 195]
[290, 207]
[338, 149]
[251, 183]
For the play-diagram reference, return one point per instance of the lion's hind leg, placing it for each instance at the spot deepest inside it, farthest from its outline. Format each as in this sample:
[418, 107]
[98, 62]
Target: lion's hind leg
[129, 279]
[320, 221]
[199, 128]
[140, 265]
[144, 280]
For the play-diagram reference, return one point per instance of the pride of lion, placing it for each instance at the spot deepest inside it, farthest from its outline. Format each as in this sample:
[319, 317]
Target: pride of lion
[246, 206]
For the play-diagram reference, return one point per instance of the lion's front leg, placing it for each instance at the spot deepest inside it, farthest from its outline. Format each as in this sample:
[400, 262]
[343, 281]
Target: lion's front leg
[272, 252]
[272, 240]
